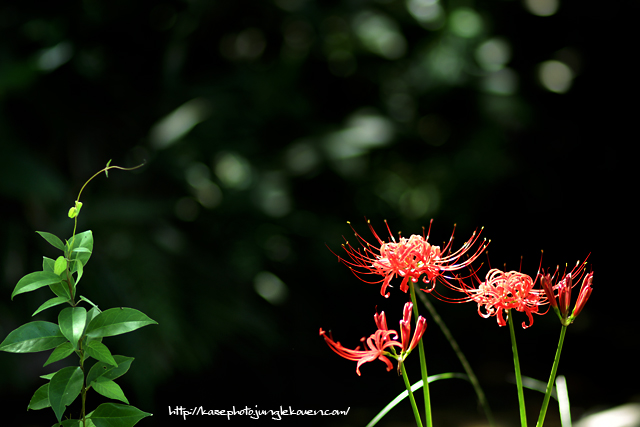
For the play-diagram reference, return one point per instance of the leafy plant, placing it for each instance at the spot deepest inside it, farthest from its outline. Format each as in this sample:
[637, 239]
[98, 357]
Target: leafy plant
[79, 331]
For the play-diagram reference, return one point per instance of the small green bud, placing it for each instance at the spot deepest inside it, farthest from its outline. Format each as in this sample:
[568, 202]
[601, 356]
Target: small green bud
[74, 211]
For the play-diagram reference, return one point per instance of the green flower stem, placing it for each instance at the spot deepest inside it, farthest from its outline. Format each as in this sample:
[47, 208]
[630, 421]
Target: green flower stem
[516, 363]
[552, 378]
[83, 416]
[423, 363]
[414, 406]
[463, 360]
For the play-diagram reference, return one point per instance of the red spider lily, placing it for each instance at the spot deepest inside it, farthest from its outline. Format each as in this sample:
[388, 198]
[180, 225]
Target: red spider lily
[503, 291]
[380, 344]
[563, 287]
[377, 344]
[408, 258]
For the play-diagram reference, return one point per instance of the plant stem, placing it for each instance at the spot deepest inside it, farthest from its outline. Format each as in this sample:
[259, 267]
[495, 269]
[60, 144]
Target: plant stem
[423, 363]
[552, 378]
[516, 363]
[414, 406]
[84, 388]
[463, 360]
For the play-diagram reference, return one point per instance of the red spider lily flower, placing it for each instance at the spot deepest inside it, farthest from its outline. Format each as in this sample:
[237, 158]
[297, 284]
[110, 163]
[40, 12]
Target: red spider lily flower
[377, 344]
[563, 288]
[503, 291]
[381, 345]
[408, 258]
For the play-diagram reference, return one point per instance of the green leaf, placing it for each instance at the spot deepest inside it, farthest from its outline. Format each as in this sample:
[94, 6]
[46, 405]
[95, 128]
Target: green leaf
[64, 387]
[100, 352]
[80, 240]
[48, 376]
[73, 423]
[109, 389]
[116, 321]
[33, 281]
[54, 240]
[33, 337]
[60, 265]
[116, 415]
[72, 321]
[40, 398]
[77, 268]
[59, 353]
[47, 264]
[91, 314]
[50, 303]
[108, 372]
[87, 300]
[61, 289]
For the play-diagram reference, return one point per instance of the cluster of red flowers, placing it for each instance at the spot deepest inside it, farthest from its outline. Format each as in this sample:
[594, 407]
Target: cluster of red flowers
[413, 258]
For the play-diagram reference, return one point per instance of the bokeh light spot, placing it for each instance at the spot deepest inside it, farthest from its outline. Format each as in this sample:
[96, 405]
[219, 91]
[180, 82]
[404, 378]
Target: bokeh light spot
[541, 7]
[301, 157]
[272, 195]
[380, 34]
[418, 202]
[555, 76]
[233, 170]
[270, 287]
[364, 130]
[246, 45]
[465, 22]
[493, 54]
[445, 63]
[501, 82]
[178, 123]
[53, 57]
[428, 13]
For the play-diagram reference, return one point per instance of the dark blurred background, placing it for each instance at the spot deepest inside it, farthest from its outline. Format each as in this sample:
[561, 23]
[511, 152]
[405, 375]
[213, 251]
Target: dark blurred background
[265, 126]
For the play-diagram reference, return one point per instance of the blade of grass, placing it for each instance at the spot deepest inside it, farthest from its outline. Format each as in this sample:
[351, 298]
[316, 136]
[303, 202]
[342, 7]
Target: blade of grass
[536, 385]
[414, 387]
[563, 401]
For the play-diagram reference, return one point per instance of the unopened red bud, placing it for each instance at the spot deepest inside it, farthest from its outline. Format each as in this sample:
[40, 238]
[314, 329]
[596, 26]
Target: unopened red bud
[421, 326]
[564, 295]
[585, 292]
[548, 290]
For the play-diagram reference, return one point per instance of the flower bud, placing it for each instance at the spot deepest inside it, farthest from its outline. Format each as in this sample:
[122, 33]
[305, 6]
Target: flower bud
[564, 295]
[545, 280]
[585, 292]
